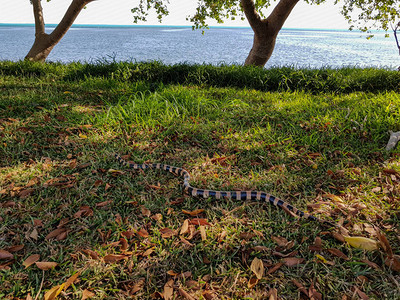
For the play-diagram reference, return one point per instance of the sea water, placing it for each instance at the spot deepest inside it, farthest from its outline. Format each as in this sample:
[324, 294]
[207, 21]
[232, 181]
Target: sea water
[171, 45]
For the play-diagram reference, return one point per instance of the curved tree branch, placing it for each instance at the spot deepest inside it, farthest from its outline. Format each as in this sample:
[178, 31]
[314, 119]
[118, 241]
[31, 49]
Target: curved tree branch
[39, 19]
[251, 13]
[280, 13]
[66, 22]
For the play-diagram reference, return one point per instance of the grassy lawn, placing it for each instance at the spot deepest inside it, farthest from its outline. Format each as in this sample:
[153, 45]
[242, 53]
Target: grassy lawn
[315, 138]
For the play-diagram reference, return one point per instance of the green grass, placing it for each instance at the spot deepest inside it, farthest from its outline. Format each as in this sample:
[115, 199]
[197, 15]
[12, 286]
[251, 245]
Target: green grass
[298, 134]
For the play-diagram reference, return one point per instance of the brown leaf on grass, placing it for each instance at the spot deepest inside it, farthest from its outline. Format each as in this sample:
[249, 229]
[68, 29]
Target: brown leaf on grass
[53, 292]
[34, 234]
[197, 221]
[28, 297]
[393, 263]
[5, 255]
[274, 268]
[86, 294]
[281, 241]
[384, 243]
[145, 211]
[257, 267]
[185, 227]
[337, 236]
[46, 265]
[91, 253]
[31, 260]
[203, 233]
[279, 254]
[193, 213]
[16, 248]
[148, 252]
[247, 235]
[124, 244]
[273, 294]
[361, 294]
[138, 286]
[157, 217]
[293, 261]
[84, 211]
[71, 280]
[300, 287]
[252, 282]
[142, 233]
[55, 233]
[186, 295]
[371, 264]
[128, 234]
[337, 253]
[317, 246]
[112, 258]
[167, 233]
[168, 290]
[186, 242]
[313, 293]
[104, 203]
[25, 193]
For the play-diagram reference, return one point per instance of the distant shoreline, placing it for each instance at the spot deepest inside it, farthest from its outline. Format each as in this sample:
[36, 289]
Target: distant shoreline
[165, 26]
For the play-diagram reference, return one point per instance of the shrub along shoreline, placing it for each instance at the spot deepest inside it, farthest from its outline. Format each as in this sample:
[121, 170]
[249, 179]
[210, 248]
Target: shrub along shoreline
[314, 138]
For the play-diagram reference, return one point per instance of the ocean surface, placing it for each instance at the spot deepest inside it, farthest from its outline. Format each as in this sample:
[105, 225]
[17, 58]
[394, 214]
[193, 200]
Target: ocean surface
[171, 45]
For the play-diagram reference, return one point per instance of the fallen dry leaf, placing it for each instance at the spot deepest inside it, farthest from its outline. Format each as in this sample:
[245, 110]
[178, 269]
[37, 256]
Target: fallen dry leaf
[337, 253]
[86, 294]
[31, 260]
[257, 267]
[55, 233]
[71, 280]
[203, 233]
[393, 263]
[292, 261]
[16, 248]
[361, 242]
[274, 268]
[384, 243]
[197, 221]
[252, 282]
[371, 264]
[46, 265]
[5, 255]
[193, 213]
[53, 292]
[143, 233]
[91, 253]
[138, 286]
[186, 295]
[185, 227]
[300, 287]
[168, 290]
[361, 294]
[167, 232]
[112, 258]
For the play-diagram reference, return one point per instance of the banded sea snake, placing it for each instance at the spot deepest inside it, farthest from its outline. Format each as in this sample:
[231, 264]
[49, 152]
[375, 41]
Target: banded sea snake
[236, 195]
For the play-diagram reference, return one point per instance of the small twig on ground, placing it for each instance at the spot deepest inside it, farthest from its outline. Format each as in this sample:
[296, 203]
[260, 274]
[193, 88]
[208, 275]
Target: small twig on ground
[40, 289]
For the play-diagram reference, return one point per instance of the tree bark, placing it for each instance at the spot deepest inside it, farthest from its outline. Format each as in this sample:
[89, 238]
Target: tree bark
[265, 30]
[44, 42]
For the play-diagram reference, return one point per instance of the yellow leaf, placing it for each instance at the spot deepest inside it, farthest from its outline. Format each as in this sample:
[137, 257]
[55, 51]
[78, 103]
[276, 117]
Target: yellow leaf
[82, 136]
[257, 267]
[54, 292]
[361, 242]
[321, 258]
[71, 280]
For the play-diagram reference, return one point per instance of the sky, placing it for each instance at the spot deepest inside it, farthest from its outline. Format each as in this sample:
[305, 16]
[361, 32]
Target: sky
[117, 12]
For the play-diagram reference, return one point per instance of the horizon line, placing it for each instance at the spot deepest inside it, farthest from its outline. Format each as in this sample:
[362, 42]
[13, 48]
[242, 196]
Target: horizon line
[165, 25]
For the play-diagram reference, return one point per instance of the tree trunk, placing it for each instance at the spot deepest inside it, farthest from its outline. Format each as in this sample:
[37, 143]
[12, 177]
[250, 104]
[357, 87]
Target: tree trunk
[265, 30]
[44, 42]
